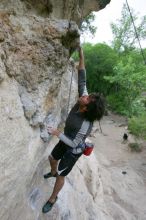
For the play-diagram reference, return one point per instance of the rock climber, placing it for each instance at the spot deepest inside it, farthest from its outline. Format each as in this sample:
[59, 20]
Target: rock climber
[77, 127]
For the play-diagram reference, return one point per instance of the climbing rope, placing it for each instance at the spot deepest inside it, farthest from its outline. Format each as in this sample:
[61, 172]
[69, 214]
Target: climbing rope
[100, 127]
[69, 92]
[136, 34]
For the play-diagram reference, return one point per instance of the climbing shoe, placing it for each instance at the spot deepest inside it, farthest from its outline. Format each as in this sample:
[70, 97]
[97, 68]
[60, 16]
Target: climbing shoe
[48, 175]
[48, 206]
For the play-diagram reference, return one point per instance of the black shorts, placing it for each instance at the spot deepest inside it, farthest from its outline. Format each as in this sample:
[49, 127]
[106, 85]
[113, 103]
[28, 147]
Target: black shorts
[67, 159]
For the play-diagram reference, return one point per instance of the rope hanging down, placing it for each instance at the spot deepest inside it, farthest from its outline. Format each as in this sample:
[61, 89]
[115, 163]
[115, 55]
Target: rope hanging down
[142, 53]
[69, 91]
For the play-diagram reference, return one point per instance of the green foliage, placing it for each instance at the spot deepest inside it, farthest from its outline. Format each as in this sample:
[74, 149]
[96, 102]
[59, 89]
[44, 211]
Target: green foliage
[138, 106]
[130, 81]
[124, 36]
[137, 125]
[117, 103]
[75, 56]
[135, 147]
[100, 60]
[119, 71]
[87, 26]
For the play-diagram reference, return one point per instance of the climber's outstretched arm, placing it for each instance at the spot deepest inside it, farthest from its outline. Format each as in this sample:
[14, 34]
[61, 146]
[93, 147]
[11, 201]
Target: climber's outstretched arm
[82, 89]
[81, 59]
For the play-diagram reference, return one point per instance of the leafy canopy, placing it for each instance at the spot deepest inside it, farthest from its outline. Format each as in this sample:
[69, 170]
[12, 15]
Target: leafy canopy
[87, 26]
[124, 36]
[100, 60]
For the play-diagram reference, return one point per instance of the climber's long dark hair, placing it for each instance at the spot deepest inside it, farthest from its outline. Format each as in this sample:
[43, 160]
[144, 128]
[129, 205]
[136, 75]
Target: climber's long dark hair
[96, 108]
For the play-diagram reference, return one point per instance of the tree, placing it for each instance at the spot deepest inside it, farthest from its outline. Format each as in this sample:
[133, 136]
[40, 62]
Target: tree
[130, 76]
[87, 26]
[100, 60]
[124, 37]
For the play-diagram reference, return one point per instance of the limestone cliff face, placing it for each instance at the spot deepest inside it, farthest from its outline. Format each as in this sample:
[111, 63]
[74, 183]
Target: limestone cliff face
[36, 40]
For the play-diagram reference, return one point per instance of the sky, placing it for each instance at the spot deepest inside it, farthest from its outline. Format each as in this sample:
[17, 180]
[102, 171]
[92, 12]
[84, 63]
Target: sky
[110, 14]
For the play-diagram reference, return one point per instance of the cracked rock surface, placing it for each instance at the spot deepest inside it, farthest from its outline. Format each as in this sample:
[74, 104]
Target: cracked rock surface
[37, 39]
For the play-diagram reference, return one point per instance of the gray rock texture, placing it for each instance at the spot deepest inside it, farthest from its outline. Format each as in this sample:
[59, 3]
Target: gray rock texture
[36, 41]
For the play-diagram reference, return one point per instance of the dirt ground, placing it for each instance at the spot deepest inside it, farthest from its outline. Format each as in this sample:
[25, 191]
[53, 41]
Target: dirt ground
[123, 172]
